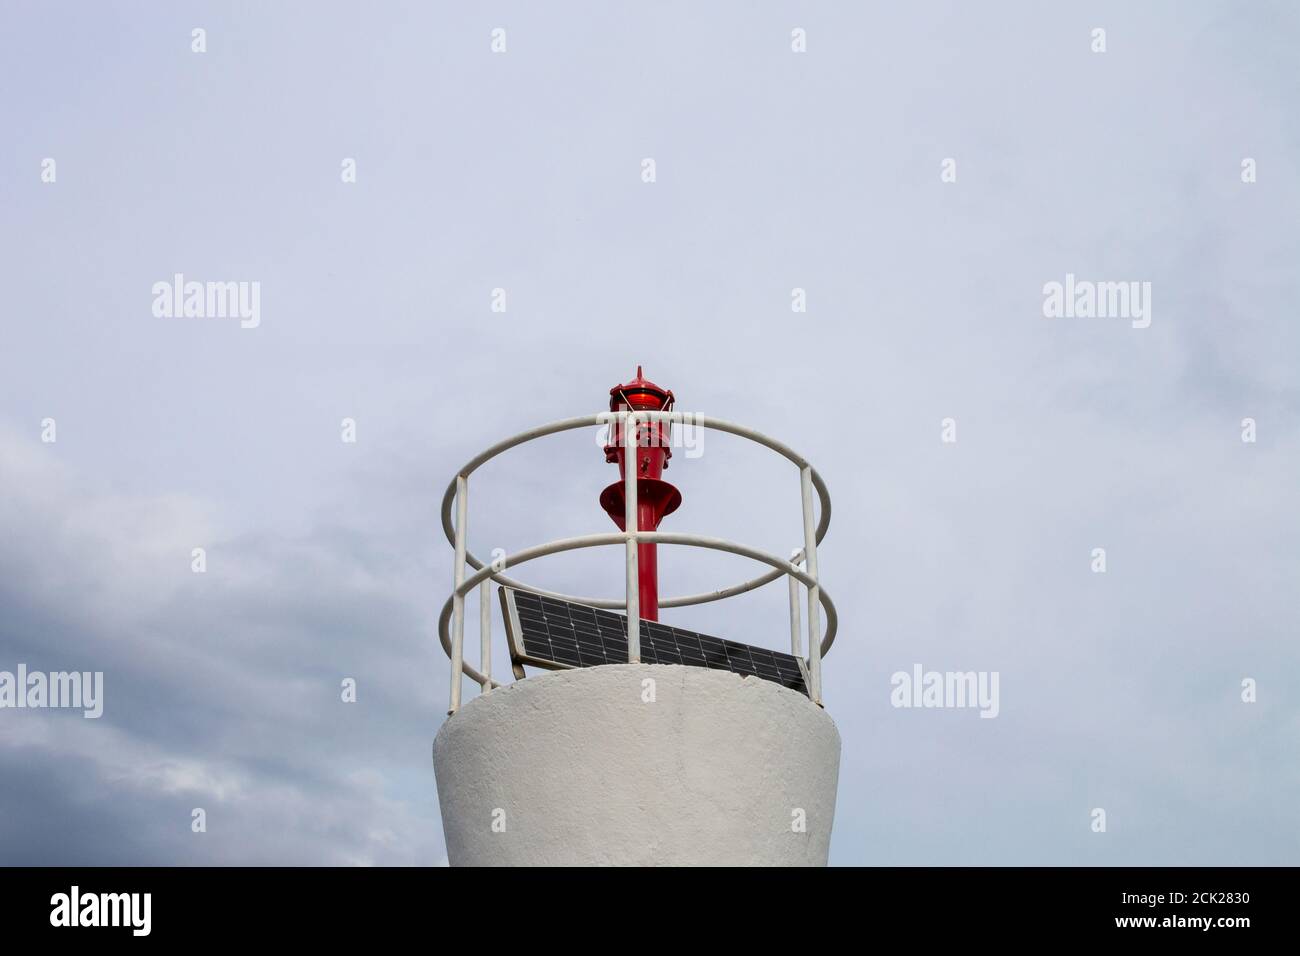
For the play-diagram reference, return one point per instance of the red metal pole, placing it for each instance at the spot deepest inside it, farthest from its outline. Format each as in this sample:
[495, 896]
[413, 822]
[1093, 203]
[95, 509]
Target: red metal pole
[647, 561]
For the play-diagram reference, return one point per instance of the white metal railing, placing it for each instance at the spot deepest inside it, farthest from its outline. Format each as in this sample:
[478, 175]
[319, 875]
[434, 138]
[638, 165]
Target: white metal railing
[451, 622]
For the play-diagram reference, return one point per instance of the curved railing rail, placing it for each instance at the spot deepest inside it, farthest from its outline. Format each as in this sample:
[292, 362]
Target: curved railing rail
[451, 622]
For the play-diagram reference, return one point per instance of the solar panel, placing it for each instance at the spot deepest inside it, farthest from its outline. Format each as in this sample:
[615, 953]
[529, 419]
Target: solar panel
[555, 634]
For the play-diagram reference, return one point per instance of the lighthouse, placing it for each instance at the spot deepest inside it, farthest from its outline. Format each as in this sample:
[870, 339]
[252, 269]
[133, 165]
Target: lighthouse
[622, 740]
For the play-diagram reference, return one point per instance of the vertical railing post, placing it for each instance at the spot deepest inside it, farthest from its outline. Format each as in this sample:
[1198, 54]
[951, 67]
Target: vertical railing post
[485, 633]
[631, 455]
[458, 599]
[796, 645]
[814, 592]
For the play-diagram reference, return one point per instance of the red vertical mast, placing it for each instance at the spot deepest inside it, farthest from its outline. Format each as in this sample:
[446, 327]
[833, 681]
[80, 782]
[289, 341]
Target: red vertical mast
[655, 497]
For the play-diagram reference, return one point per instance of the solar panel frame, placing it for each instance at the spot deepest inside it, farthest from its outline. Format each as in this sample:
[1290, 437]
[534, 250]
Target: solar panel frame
[558, 635]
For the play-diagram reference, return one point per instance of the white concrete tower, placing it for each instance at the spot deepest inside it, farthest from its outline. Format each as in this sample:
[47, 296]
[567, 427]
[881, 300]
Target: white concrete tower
[647, 744]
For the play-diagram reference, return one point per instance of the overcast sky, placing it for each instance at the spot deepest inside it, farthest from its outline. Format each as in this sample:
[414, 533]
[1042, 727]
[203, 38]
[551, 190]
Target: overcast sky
[774, 170]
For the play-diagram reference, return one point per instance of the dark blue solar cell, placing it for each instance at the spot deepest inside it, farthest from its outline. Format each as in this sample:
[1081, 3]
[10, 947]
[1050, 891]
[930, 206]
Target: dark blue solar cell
[551, 633]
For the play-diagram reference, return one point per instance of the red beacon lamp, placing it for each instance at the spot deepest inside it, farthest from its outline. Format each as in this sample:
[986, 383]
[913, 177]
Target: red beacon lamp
[655, 497]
